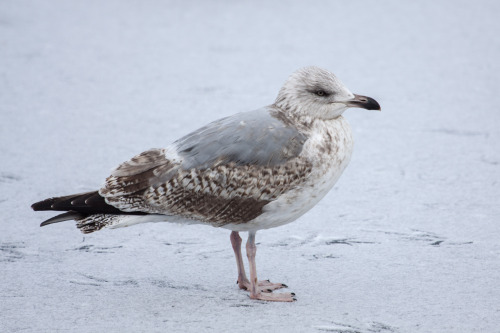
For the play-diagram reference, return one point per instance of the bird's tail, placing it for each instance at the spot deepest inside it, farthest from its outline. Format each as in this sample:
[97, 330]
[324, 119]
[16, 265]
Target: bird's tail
[89, 209]
[64, 217]
[85, 203]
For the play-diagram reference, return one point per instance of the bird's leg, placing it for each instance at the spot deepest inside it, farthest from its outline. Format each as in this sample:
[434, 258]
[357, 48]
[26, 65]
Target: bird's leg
[255, 291]
[243, 282]
[251, 252]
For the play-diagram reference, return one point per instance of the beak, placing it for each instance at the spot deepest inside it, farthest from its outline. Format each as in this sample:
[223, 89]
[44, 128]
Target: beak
[363, 102]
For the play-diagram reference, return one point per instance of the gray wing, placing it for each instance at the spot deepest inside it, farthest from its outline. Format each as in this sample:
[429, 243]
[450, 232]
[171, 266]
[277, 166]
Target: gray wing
[225, 172]
[250, 138]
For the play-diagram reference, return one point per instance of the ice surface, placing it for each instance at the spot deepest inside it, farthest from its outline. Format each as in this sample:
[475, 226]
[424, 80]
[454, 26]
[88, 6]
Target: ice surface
[408, 241]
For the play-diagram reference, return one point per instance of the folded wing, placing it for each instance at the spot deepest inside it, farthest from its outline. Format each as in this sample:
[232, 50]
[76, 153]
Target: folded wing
[224, 172]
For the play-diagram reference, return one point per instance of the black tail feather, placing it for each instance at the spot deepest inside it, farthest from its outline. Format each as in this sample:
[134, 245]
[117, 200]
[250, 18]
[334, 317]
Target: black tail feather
[78, 206]
[87, 203]
[64, 217]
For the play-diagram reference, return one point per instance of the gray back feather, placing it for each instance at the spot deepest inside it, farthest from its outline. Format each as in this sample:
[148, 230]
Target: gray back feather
[258, 137]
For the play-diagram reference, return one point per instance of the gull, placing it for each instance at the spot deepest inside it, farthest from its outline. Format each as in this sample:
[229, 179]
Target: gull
[250, 171]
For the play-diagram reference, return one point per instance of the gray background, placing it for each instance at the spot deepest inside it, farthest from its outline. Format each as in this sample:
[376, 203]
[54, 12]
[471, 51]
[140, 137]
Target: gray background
[408, 240]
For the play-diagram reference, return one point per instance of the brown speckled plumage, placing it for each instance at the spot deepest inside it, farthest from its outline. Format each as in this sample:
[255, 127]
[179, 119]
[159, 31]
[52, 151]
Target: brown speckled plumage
[250, 171]
[96, 222]
[220, 195]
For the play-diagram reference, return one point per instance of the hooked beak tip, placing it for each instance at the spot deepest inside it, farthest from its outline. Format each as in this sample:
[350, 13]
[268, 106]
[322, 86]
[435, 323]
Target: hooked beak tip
[364, 102]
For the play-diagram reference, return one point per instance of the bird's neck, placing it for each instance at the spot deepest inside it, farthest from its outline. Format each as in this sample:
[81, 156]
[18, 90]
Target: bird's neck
[300, 117]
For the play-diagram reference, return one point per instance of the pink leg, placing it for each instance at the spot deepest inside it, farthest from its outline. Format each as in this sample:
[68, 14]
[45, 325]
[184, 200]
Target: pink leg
[255, 292]
[243, 282]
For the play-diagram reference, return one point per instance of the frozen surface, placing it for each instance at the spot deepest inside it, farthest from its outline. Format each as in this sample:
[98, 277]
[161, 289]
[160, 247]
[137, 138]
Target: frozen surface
[408, 241]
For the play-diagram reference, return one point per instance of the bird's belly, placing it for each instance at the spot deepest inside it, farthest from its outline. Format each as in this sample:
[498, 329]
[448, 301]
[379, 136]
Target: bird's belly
[330, 151]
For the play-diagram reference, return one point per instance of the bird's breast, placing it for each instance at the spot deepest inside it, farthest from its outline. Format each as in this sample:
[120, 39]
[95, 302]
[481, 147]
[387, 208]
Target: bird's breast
[329, 148]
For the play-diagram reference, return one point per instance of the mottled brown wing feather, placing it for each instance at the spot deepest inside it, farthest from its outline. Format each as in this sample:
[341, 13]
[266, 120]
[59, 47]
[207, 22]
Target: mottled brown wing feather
[226, 172]
[145, 161]
[142, 171]
[225, 194]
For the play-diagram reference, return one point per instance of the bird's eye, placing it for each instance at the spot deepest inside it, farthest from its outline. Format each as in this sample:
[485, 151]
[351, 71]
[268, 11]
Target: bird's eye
[320, 93]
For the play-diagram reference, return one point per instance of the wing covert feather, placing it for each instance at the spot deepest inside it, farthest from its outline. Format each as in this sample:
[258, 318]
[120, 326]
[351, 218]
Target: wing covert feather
[224, 172]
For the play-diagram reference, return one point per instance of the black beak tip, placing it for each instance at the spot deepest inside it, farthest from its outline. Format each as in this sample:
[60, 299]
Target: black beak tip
[369, 103]
[365, 102]
[372, 104]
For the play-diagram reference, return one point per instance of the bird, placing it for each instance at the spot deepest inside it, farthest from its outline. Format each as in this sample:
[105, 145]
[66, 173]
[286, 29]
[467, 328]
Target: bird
[247, 172]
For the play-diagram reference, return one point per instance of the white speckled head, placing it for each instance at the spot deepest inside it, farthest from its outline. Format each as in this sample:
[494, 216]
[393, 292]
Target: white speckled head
[317, 93]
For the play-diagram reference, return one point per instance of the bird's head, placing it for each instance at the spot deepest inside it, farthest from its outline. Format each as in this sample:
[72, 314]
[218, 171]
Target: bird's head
[317, 93]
